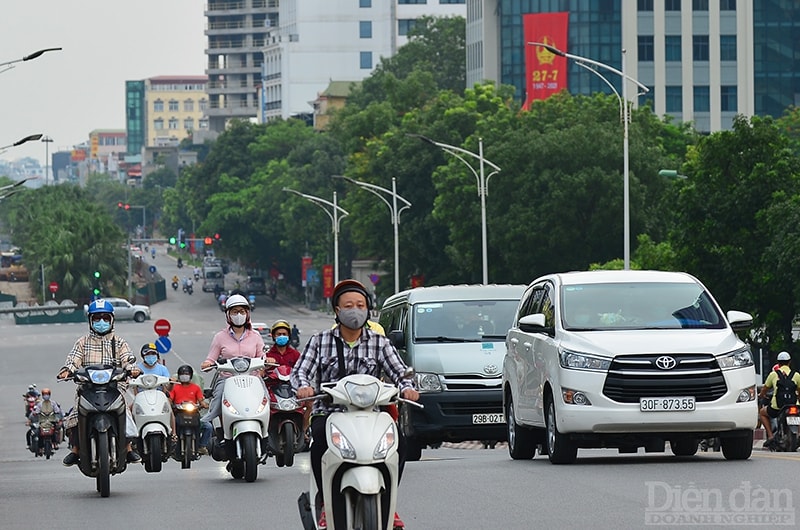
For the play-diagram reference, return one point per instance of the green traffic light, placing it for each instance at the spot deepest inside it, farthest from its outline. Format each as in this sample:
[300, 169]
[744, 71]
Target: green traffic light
[96, 274]
[96, 292]
[183, 245]
[172, 241]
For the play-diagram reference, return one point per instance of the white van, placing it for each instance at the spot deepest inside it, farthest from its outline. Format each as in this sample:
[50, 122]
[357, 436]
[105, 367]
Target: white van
[453, 337]
[626, 359]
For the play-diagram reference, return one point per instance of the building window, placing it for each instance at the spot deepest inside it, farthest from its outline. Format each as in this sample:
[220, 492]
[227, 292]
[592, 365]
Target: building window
[727, 5]
[188, 124]
[452, 1]
[727, 47]
[700, 47]
[646, 48]
[728, 98]
[203, 104]
[674, 97]
[366, 60]
[188, 105]
[702, 99]
[203, 123]
[365, 29]
[173, 105]
[404, 25]
[158, 124]
[672, 48]
[173, 124]
[158, 106]
[699, 5]
[364, 3]
[672, 5]
[644, 5]
[401, 2]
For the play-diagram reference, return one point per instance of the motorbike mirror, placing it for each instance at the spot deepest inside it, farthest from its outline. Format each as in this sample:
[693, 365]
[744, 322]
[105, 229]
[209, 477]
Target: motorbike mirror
[409, 372]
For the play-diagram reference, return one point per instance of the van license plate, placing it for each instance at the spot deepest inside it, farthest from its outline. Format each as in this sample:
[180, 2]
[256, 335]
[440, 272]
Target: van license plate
[488, 418]
[667, 404]
[792, 420]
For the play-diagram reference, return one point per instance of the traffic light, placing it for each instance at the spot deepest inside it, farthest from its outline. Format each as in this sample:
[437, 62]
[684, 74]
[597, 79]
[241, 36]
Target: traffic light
[96, 290]
[123, 205]
[172, 241]
[181, 238]
[97, 274]
[207, 241]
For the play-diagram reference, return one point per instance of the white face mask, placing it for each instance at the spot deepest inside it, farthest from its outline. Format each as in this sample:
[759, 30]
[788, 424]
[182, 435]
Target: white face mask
[238, 319]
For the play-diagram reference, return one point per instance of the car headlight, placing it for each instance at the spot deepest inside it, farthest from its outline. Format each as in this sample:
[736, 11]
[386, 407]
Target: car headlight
[581, 361]
[341, 443]
[427, 382]
[736, 359]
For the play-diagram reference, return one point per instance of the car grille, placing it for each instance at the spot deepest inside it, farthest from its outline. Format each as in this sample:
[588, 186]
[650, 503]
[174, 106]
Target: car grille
[632, 377]
[472, 407]
[472, 382]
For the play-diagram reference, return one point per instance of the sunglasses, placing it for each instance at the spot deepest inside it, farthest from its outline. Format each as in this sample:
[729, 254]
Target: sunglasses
[106, 317]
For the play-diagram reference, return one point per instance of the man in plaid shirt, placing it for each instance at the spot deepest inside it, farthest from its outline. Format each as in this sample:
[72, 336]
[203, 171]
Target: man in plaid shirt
[365, 352]
[99, 346]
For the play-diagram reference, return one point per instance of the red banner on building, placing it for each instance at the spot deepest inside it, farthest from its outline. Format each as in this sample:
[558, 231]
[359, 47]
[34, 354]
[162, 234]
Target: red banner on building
[545, 72]
[327, 281]
[305, 264]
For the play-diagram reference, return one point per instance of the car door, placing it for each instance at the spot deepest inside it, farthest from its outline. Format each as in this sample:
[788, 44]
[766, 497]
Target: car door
[122, 310]
[520, 357]
[544, 352]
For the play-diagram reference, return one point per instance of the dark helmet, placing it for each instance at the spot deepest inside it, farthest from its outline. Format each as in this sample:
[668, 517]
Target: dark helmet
[148, 348]
[185, 369]
[347, 286]
[279, 324]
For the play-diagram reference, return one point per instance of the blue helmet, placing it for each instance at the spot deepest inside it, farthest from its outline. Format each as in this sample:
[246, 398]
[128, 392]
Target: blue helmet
[101, 306]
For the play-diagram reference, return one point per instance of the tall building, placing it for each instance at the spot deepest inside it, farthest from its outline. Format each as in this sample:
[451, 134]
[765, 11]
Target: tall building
[270, 59]
[703, 61]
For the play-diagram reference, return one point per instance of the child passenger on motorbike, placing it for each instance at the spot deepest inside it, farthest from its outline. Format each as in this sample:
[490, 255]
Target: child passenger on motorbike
[364, 351]
[284, 354]
[187, 391]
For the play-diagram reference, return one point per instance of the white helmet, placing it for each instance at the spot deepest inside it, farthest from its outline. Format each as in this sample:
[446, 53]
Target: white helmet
[784, 356]
[236, 300]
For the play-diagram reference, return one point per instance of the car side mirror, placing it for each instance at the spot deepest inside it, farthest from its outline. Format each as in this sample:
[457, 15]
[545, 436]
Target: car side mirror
[398, 338]
[532, 323]
[739, 320]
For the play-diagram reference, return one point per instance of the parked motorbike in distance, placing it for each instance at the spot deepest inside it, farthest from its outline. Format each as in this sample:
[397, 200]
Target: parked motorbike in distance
[785, 429]
[286, 436]
[151, 413]
[361, 465]
[245, 417]
[187, 429]
[101, 423]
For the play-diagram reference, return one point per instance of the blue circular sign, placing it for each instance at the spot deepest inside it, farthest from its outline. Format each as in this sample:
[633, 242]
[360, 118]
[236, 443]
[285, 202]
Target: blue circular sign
[152, 269]
[163, 345]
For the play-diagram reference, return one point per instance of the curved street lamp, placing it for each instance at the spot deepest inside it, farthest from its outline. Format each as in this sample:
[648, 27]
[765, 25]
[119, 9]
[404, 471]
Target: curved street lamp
[336, 219]
[393, 211]
[483, 186]
[10, 64]
[623, 103]
[29, 138]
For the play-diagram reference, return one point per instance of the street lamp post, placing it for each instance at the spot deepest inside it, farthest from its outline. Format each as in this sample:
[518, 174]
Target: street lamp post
[395, 213]
[333, 213]
[12, 188]
[483, 186]
[47, 141]
[8, 65]
[623, 102]
[29, 138]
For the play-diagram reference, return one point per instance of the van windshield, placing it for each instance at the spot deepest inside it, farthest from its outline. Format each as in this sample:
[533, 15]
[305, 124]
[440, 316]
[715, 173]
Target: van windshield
[638, 305]
[213, 275]
[463, 321]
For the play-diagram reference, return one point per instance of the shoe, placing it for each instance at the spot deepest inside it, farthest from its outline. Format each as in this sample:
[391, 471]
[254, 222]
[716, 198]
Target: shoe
[398, 523]
[322, 523]
[133, 457]
[55, 448]
[71, 459]
[203, 451]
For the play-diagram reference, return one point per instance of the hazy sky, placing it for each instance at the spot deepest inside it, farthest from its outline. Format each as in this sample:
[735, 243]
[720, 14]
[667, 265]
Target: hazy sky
[65, 94]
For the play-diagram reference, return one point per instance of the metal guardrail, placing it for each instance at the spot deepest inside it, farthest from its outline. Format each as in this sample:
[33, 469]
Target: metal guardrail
[61, 308]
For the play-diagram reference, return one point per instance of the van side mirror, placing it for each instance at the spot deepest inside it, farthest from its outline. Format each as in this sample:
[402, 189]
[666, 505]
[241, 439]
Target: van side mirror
[398, 338]
[532, 323]
[739, 320]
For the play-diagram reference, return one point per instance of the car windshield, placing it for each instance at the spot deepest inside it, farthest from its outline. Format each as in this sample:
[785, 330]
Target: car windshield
[463, 321]
[638, 305]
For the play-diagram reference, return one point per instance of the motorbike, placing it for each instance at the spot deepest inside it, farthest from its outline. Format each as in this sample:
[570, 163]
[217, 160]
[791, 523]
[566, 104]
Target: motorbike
[180, 263]
[187, 286]
[187, 429]
[43, 434]
[361, 465]
[286, 436]
[101, 423]
[251, 299]
[785, 429]
[30, 404]
[174, 286]
[273, 292]
[151, 414]
[245, 418]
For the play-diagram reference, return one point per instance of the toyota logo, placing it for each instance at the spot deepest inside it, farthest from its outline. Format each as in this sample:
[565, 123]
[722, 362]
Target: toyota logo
[490, 369]
[665, 362]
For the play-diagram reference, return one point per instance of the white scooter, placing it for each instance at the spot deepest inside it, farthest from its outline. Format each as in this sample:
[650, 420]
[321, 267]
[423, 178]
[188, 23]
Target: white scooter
[245, 417]
[153, 418]
[360, 468]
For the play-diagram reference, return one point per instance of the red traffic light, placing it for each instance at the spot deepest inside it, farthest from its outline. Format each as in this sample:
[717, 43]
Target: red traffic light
[207, 241]
[119, 205]
[216, 236]
[123, 205]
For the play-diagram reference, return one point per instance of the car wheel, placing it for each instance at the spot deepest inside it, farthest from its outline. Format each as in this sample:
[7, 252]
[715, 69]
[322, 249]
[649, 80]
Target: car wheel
[738, 447]
[139, 317]
[413, 449]
[521, 440]
[560, 449]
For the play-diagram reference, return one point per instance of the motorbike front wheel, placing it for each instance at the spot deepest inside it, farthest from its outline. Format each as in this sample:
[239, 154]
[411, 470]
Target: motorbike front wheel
[365, 512]
[288, 443]
[250, 456]
[154, 453]
[48, 447]
[103, 465]
[187, 451]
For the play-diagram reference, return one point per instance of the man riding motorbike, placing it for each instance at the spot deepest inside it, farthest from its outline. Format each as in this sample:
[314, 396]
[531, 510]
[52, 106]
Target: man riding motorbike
[772, 409]
[49, 414]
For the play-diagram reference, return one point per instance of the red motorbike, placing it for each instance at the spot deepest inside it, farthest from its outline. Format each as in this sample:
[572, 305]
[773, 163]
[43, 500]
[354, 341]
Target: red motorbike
[286, 436]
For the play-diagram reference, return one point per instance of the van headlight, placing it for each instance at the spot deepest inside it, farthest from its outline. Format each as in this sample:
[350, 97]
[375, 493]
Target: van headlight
[736, 359]
[427, 382]
[581, 361]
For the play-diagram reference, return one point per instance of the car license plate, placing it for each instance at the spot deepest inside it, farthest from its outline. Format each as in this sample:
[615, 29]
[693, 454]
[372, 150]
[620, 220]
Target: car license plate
[488, 418]
[792, 420]
[667, 404]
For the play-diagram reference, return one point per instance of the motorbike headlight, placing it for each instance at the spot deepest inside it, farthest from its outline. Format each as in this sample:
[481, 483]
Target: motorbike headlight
[287, 404]
[341, 443]
[580, 361]
[386, 443]
[736, 359]
[241, 364]
[187, 407]
[362, 396]
[148, 381]
[428, 382]
[100, 377]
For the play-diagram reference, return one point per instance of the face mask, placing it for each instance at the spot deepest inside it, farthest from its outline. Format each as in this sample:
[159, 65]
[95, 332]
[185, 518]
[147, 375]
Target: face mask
[353, 318]
[101, 327]
[238, 319]
[184, 378]
[283, 340]
[150, 360]
[46, 397]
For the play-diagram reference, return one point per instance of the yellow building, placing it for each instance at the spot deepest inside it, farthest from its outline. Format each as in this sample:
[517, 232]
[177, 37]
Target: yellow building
[174, 108]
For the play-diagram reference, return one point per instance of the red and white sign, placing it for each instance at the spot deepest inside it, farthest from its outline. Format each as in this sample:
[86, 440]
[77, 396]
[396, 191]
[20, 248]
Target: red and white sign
[53, 287]
[162, 327]
[545, 72]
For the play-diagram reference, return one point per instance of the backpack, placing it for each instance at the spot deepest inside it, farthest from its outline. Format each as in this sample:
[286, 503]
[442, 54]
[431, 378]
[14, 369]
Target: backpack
[785, 389]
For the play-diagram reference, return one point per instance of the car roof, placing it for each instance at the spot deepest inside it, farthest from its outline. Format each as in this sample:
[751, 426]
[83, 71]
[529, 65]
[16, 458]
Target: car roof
[618, 276]
[444, 293]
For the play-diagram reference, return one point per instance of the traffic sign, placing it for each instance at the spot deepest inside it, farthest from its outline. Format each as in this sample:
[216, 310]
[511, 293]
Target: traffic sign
[152, 269]
[162, 327]
[163, 345]
[53, 287]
